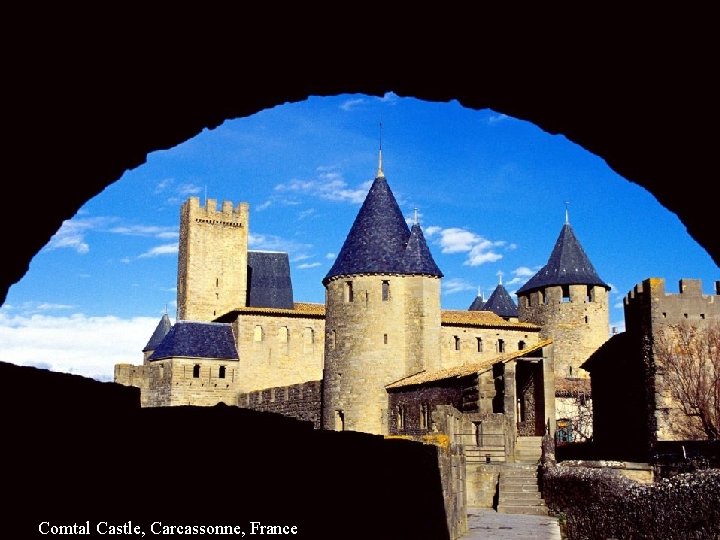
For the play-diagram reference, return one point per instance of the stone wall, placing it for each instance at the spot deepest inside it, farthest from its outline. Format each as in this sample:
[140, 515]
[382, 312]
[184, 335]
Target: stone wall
[373, 342]
[648, 311]
[460, 343]
[212, 259]
[299, 401]
[278, 349]
[578, 324]
[174, 382]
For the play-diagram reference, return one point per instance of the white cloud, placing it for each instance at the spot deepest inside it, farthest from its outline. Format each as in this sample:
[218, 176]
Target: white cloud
[264, 206]
[456, 285]
[330, 255]
[71, 234]
[479, 250]
[152, 231]
[497, 118]
[88, 346]
[270, 242]
[47, 306]
[350, 104]
[165, 249]
[162, 185]
[389, 97]
[522, 274]
[305, 266]
[329, 185]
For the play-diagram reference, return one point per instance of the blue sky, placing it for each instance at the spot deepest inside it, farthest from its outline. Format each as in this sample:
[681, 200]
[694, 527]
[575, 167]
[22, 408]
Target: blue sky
[490, 191]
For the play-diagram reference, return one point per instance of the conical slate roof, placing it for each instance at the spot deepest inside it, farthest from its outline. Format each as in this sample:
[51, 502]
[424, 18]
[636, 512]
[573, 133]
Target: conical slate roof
[417, 258]
[198, 340]
[477, 303]
[379, 241]
[501, 303]
[568, 265]
[159, 334]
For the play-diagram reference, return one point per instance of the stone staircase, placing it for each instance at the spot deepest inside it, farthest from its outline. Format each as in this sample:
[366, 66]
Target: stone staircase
[518, 489]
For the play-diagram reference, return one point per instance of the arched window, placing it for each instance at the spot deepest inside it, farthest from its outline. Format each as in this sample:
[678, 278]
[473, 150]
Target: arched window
[479, 344]
[348, 291]
[521, 345]
[221, 374]
[456, 344]
[386, 290]
[196, 371]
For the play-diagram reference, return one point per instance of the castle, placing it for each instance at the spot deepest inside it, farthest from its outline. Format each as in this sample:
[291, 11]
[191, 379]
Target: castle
[380, 355]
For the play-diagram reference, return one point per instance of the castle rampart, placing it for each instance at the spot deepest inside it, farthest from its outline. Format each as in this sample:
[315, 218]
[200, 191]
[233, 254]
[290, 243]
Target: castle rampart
[301, 401]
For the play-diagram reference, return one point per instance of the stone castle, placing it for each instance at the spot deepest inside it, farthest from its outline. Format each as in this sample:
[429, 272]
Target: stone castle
[380, 355]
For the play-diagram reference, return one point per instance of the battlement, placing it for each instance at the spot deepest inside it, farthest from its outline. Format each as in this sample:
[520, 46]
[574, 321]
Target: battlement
[210, 210]
[648, 304]
[654, 288]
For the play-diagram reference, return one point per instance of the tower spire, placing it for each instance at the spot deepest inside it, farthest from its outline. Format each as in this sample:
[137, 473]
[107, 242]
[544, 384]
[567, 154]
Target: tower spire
[500, 275]
[567, 213]
[380, 173]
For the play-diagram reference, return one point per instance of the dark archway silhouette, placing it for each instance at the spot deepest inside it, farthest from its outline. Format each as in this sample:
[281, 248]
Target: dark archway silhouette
[91, 101]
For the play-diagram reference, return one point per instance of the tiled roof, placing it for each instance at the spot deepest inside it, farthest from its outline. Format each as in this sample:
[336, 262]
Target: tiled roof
[465, 369]
[302, 309]
[477, 303]
[269, 283]
[379, 241]
[501, 303]
[198, 340]
[481, 318]
[159, 334]
[568, 265]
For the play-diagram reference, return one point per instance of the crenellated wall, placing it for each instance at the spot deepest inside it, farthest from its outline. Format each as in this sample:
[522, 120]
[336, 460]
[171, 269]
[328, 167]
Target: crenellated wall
[577, 321]
[300, 401]
[212, 259]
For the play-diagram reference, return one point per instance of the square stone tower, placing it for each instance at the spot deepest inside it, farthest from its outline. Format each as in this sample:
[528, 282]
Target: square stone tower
[212, 259]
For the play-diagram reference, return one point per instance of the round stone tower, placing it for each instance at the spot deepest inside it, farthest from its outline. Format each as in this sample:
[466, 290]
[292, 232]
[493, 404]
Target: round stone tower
[570, 302]
[382, 320]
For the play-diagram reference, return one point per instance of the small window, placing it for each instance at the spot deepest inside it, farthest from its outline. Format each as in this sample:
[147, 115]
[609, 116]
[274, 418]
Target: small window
[521, 345]
[424, 416]
[348, 291]
[501, 345]
[339, 421]
[456, 339]
[196, 371]
[309, 336]
[385, 290]
[258, 334]
[385, 339]
[283, 334]
[479, 344]
[543, 298]
[221, 374]
[565, 293]
[586, 319]
[400, 418]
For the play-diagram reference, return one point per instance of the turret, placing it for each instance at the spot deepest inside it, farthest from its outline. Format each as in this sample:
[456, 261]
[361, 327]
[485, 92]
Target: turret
[567, 298]
[382, 313]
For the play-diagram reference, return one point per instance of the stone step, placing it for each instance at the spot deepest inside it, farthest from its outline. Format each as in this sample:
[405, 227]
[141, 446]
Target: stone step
[519, 479]
[534, 510]
[518, 489]
[520, 496]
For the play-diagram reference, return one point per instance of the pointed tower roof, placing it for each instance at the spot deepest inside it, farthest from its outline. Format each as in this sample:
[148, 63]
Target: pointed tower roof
[501, 303]
[568, 265]
[379, 241]
[159, 334]
[478, 302]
